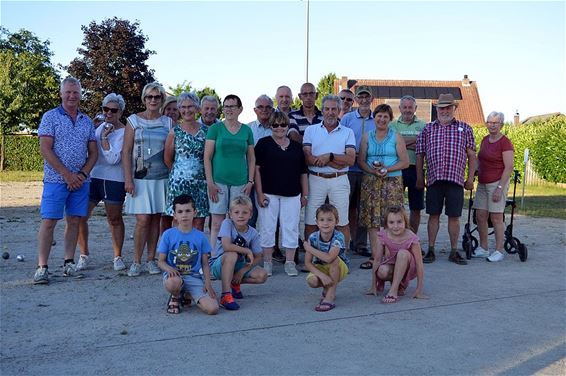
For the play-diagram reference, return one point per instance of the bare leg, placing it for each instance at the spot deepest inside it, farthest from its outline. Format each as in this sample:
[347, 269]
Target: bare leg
[289, 253]
[453, 231]
[83, 230]
[216, 221]
[335, 275]
[499, 227]
[481, 217]
[257, 276]
[401, 266]
[208, 305]
[44, 240]
[373, 231]
[415, 220]
[153, 236]
[141, 231]
[116, 225]
[71, 236]
[346, 231]
[173, 285]
[228, 262]
[267, 254]
[432, 228]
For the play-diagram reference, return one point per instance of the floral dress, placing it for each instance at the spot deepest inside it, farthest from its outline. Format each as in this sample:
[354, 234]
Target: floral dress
[187, 175]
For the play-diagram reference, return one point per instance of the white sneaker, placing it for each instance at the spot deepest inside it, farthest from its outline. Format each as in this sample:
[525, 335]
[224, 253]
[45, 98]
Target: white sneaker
[135, 270]
[152, 267]
[119, 264]
[69, 269]
[496, 256]
[480, 253]
[82, 263]
[291, 269]
[268, 266]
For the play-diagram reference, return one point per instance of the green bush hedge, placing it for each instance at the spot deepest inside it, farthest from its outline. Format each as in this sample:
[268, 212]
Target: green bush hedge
[21, 153]
[546, 141]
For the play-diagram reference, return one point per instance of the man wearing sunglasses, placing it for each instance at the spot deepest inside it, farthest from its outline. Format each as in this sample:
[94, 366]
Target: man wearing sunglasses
[360, 122]
[307, 115]
[347, 97]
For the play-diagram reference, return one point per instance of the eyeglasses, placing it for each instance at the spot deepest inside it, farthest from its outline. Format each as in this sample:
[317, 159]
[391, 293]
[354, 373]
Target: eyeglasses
[277, 125]
[113, 110]
[261, 108]
[363, 97]
[347, 99]
[493, 123]
[152, 97]
[230, 106]
[309, 94]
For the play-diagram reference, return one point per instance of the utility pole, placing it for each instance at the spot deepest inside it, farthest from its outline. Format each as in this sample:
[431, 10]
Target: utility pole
[307, 42]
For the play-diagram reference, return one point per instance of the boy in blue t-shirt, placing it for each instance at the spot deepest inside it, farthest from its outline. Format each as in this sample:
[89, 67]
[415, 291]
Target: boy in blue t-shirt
[183, 252]
[237, 253]
[325, 257]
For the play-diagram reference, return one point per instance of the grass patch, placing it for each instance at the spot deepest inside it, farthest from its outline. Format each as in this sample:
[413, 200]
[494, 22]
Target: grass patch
[22, 176]
[546, 200]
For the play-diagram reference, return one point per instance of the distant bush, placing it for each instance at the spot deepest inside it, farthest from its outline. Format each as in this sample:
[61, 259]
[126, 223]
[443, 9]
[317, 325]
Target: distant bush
[21, 153]
[546, 141]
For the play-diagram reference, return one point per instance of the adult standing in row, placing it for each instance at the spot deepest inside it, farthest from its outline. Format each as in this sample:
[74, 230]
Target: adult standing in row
[284, 98]
[146, 174]
[282, 189]
[184, 156]
[229, 162]
[68, 147]
[360, 122]
[170, 109]
[409, 126]
[446, 144]
[382, 157]
[107, 180]
[209, 110]
[347, 97]
[307, 115]
[330, 149]
[494, 170]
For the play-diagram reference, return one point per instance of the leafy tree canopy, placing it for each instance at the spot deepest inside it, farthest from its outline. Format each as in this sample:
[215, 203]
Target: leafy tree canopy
[112, 59]
[187, 87]
[325, 87]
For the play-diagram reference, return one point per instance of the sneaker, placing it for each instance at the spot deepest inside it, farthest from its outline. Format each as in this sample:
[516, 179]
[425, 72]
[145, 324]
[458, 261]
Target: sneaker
[291, 269]
[278, 256]
[236, 291]
[227, 301]
[41, 276]
[69, 269]
[480, 253]
[456, 258]
[496, 256]
[135, 270]
[81, 265]
[429, 258]
[268, 266]
[119, 264]
[152, 267]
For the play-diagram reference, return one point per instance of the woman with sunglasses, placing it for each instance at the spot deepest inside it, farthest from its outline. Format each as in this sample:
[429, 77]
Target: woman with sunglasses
[282, 189]
[107, 180]
[146, 174]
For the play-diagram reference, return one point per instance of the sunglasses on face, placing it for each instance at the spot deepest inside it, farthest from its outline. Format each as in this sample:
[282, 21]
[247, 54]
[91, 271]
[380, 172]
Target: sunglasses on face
[152, 97]
[113, 110]
[277, 125]
[347, 99]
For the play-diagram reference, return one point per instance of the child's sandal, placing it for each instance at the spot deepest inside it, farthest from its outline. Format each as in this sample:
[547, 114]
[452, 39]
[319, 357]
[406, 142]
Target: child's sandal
[186, 300]
[173, 306]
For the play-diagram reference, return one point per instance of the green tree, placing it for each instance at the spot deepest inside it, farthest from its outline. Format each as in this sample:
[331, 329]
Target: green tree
[29, 84]
[113, 59]
[180, 88]
[325, 87]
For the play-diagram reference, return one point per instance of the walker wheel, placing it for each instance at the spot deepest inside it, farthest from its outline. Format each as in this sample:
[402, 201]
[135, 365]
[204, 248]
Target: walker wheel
[511, 245]
[523, 253]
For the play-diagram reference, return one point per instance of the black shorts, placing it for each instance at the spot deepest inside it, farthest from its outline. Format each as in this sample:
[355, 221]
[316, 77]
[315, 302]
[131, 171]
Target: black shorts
[416, 196]
[447, 194]
[109, 191]
[355, 179]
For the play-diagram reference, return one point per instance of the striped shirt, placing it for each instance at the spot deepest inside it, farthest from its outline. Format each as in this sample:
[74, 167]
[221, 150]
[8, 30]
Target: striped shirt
[299, 122]
[444, 148]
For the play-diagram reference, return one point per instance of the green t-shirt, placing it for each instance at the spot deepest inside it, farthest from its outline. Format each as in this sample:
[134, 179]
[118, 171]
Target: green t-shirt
[229, 162]
[412, 129]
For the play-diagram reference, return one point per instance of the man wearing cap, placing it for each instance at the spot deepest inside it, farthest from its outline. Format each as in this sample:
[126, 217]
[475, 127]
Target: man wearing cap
[409, 126]
[347, 97]
[330, 149]
[307, 115]
[360, 122]
[446, 144]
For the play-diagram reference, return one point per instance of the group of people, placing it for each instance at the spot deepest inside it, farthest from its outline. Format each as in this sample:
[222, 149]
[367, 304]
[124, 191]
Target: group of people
[347, 167]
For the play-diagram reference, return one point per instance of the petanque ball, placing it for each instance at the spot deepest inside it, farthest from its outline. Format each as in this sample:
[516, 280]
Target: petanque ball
[5, 255]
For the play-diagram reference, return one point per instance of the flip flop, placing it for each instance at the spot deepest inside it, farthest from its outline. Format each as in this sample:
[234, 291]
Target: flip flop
[324, 306]
[390, 299]
[367, 264]
[173, 305]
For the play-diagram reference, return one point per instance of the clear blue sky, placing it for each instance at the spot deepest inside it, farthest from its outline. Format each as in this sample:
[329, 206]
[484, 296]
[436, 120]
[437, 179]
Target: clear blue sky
[515, 51]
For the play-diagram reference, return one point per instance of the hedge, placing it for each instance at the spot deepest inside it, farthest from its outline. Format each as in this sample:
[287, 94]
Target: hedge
[21, 153]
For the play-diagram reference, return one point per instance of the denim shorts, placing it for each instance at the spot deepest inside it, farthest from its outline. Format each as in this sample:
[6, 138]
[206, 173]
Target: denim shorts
[216, 267]
[57, 201]
[109, 191]
[191, 284]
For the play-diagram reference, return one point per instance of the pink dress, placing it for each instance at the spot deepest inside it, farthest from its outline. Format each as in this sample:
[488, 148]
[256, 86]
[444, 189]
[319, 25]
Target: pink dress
[391, 258]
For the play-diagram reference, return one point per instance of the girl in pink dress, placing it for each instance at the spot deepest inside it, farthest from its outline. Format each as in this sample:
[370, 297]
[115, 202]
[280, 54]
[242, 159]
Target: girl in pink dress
[399, 250]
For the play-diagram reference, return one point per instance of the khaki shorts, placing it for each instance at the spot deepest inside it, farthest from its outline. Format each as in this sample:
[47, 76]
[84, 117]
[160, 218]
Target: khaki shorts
[484, 201]
[325, 268]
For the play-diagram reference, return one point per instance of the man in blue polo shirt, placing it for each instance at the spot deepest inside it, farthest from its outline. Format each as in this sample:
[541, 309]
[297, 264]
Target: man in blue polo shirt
[330, 149]
[68, 146]
[360, 122]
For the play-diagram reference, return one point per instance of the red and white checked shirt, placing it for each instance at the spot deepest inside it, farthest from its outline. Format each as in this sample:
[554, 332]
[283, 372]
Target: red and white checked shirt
[444, 148]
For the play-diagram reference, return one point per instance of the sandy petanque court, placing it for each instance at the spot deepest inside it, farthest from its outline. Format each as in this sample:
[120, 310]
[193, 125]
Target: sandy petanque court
[504, 318]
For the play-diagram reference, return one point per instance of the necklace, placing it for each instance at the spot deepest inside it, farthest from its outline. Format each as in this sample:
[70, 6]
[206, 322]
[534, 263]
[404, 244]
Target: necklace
[284, 145]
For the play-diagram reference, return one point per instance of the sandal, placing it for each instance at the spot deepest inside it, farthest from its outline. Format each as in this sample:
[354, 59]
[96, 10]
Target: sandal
[186, 300]
[367, 264]
[389, 299]
[173, 306]
[324, 306]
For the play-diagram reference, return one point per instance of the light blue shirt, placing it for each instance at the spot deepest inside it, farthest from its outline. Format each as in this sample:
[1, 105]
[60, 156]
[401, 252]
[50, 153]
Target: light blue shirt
[360, 126]
[259, 130]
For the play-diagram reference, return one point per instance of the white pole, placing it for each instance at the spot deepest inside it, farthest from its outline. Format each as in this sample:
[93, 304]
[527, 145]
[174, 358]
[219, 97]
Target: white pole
[525, 160]
[307, 43]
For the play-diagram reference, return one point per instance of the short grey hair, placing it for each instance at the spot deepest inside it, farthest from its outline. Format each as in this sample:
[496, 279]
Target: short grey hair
[499, 115]
[153, 86]
[209, 98]
[115, 98]
[264, 97]
[407, 98]
[332, 97]
[185, 96]
[70, 80]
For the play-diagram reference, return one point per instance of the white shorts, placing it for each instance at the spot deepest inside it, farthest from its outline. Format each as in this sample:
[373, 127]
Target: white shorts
[225, 194]
[338, 192]
[288, 210]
